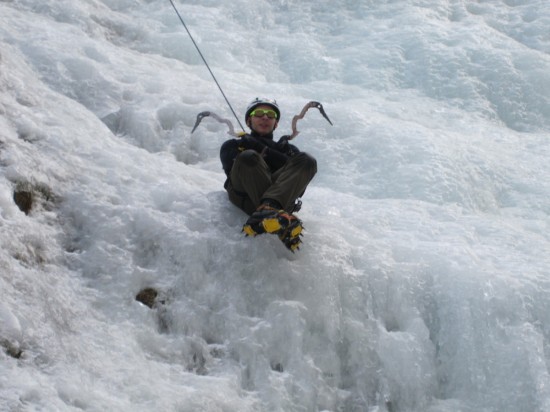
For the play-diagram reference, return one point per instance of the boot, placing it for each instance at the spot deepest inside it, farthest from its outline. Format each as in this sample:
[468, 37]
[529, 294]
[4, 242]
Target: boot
[291, 237]
[267, 219]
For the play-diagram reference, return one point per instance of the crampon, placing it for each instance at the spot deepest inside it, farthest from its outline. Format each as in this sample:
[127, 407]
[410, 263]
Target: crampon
[270, 220]
[291, 238]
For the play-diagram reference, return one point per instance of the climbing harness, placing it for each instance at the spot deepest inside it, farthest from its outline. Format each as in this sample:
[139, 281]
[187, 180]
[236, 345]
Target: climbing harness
[295, 119]
[207, 66]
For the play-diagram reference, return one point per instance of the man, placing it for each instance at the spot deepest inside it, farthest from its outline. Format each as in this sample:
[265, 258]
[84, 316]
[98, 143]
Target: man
[265, 178]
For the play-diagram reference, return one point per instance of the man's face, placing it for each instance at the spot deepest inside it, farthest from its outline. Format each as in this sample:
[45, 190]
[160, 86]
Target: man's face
[262, 125]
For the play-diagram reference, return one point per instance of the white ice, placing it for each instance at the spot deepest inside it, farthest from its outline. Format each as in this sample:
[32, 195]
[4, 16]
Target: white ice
[424, 280]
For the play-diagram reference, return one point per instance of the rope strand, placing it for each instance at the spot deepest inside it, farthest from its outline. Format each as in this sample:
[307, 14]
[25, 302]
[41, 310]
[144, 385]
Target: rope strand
[207, 66]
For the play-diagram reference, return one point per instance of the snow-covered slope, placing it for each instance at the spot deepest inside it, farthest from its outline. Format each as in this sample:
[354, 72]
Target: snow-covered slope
[424, 279]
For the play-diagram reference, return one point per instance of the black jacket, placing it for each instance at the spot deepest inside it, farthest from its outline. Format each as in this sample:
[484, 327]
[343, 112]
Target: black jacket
[274, 153]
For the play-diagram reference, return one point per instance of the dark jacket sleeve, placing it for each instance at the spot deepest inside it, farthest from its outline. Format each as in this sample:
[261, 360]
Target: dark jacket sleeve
[228, 153]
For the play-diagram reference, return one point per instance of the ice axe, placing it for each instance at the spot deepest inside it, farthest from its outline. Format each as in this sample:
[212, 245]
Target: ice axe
[295, 119]
[301, 115]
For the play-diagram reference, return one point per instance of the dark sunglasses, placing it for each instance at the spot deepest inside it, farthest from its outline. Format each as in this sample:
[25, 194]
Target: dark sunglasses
[272, 114]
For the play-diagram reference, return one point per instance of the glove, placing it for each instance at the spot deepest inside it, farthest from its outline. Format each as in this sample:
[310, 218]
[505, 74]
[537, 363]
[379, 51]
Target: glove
[249, 143]
[282, 144]
[285, 147]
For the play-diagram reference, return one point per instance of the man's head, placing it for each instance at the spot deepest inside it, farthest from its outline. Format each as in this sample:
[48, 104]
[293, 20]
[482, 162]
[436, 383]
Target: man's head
[262, 115]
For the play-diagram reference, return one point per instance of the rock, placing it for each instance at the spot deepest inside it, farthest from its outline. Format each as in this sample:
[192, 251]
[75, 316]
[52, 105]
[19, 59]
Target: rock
[147, 296]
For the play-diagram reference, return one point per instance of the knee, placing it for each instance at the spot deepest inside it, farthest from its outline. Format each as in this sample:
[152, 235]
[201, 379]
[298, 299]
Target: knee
[307, 161]
[249, 158]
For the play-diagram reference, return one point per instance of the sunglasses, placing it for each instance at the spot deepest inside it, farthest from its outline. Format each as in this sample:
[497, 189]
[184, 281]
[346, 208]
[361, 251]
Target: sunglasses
[272, 114]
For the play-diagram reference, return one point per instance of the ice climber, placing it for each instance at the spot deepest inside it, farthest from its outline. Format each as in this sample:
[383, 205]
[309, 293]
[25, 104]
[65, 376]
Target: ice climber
[266, 178]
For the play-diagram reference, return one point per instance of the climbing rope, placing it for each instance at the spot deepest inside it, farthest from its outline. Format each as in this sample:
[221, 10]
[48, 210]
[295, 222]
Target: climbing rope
[207, 66]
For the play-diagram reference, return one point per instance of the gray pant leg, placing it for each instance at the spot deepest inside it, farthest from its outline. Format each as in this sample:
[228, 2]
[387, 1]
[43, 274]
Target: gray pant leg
[250, 175]
[291, 181]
